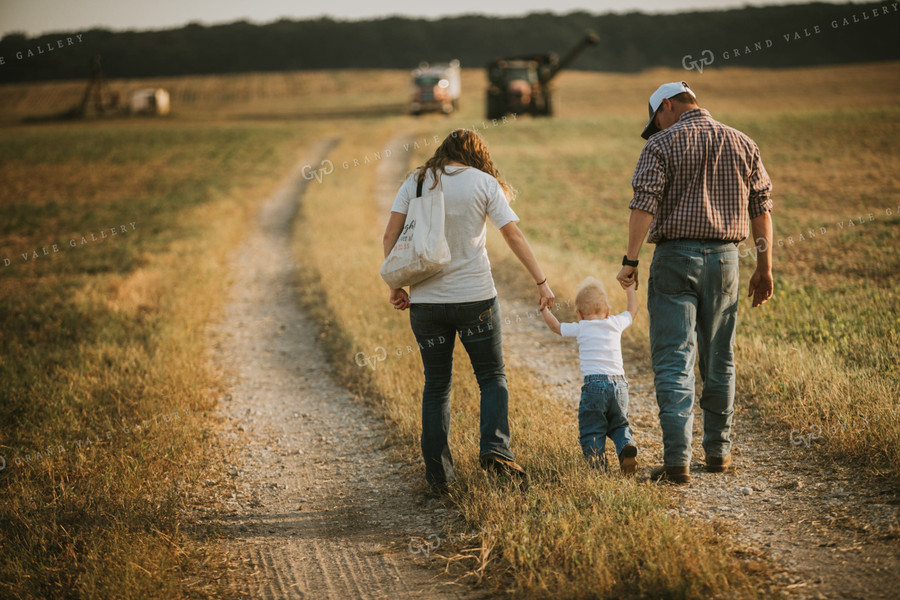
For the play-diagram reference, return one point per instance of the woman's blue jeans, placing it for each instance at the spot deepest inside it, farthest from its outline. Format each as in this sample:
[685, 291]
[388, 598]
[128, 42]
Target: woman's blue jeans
[692, 301]
[478, 326]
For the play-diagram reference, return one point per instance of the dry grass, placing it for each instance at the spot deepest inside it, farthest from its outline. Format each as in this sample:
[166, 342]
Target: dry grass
[103, 370]
[110, 334]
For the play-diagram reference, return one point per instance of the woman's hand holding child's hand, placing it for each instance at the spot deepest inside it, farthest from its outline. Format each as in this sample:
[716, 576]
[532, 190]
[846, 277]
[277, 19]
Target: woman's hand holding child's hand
[400, 299]
[547, 297]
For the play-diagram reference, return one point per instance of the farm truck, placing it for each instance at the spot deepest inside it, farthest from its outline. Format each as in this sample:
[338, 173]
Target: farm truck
[435, 88]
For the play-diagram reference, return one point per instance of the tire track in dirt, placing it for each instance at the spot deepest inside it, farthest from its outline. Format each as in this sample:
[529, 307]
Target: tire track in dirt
[320, 508]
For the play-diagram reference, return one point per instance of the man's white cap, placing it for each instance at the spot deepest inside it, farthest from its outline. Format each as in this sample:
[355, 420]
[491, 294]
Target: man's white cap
[666, 90]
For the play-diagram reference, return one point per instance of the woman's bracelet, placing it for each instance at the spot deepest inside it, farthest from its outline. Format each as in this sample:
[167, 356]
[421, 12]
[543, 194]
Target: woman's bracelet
[543, 282]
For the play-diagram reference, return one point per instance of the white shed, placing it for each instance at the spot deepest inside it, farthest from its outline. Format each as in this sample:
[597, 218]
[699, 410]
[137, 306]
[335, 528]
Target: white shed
[150, 101]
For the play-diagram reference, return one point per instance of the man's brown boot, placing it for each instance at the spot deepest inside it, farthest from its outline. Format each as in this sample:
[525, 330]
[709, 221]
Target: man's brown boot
[670, 474]
[719, 464]
[498, 464]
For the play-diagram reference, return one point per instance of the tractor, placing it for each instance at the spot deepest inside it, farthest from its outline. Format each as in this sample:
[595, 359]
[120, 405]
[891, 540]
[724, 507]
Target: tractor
[521, 84]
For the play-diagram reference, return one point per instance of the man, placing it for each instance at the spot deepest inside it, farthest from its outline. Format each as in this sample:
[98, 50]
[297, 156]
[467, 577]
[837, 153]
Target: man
[699, 186]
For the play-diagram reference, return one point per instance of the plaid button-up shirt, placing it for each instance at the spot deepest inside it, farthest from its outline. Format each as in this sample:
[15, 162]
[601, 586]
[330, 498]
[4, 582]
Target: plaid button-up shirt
[701, 180]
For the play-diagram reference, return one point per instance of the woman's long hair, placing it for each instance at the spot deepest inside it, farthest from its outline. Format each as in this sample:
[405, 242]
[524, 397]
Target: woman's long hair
[467, 148]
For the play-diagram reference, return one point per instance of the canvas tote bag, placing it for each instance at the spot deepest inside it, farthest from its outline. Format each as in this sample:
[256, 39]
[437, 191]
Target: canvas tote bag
[421, 250]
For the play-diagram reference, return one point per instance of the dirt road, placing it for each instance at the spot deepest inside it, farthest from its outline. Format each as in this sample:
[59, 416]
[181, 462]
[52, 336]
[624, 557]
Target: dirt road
[321, 507]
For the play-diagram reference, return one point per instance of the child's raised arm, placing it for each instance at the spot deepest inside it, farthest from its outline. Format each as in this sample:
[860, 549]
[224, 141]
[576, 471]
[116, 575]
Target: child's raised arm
[632, 300]
[550, 320]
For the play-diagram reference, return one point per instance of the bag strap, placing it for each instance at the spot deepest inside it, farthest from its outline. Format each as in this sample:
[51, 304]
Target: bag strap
[421, 183]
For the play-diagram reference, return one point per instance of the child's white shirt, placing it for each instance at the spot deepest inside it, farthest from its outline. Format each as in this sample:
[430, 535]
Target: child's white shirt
[599, 343]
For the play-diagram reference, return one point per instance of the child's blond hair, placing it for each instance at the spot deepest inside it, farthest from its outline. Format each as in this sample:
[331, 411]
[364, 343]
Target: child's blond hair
[590, 299]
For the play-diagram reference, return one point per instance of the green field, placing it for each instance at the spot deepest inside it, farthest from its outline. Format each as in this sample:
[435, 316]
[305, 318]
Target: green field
[106, 388]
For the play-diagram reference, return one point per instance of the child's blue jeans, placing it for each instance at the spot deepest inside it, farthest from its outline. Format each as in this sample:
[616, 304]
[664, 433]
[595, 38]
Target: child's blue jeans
[603, 412]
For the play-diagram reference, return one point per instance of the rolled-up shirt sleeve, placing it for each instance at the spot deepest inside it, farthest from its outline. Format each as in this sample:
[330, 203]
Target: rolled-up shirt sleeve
[760, 201]
[649, 181]
[497, 206]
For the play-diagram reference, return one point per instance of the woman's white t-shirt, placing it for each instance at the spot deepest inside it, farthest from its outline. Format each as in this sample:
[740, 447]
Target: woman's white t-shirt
[470, 196]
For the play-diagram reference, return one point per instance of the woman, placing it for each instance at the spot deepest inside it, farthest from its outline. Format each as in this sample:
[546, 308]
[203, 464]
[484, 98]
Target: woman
[461, 299]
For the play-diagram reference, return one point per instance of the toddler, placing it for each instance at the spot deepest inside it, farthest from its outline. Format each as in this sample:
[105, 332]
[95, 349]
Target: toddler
[604, 396]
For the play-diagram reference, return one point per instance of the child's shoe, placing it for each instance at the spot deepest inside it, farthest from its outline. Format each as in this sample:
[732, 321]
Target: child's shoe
[628, 460]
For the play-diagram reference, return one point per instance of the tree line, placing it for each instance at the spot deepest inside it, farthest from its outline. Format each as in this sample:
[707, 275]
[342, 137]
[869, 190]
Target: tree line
[774, 36]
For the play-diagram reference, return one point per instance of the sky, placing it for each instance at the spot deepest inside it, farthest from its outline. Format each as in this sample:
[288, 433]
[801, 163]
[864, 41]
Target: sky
[45, 16]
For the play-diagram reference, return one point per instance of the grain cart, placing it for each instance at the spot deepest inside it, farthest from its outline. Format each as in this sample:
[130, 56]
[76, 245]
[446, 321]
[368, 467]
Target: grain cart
[435, 88]
[150, 101]
[521, 84]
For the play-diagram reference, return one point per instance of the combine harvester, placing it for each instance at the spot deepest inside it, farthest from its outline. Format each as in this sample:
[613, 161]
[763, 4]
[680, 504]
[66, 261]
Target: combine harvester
[521, 84]
[435, 88]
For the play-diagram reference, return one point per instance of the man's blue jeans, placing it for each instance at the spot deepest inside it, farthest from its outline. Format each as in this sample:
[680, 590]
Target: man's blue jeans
[603, 412]
[478, 326]
[692, 301]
